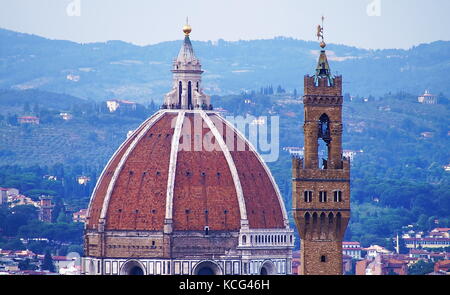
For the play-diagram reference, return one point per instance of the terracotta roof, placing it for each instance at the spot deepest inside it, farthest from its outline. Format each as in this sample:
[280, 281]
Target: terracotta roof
[205, 192]
[441, 229]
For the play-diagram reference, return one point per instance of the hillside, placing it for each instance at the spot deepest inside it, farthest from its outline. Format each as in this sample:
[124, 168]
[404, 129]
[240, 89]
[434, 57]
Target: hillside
[397, 173]
[99, 71]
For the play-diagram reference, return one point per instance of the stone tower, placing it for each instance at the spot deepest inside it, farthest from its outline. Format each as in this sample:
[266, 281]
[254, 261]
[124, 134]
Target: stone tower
[321, 189]
[46, 208]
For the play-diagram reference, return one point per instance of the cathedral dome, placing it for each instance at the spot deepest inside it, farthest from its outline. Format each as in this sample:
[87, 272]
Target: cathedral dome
[184, 170]
[186, 193]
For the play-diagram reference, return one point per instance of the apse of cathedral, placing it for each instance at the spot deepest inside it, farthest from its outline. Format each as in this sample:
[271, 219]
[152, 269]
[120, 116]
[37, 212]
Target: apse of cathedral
[321, 188]
[186, 193]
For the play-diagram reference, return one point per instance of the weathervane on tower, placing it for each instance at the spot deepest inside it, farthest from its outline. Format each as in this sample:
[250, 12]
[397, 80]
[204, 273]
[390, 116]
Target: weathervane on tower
[320, 33]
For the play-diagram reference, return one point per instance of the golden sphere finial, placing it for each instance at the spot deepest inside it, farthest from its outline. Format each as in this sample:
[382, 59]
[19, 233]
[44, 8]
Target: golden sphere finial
[187, 28]
[323, 44]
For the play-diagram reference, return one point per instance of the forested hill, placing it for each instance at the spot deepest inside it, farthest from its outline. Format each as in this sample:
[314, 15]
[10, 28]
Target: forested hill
[99, 71]
[398, 175]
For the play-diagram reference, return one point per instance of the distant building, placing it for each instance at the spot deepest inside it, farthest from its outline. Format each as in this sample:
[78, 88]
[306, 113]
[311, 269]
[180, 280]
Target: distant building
[382, 264]
[347, 262]
[361, 267]
[443, 232]
[28, 120]
[3, 195]
[352, 249]
[114, 104]
[11, 192]
[426, 134]
[46, 208]
[83, 179]
[416, 253]
[442, 266]
[375, 250]
[66, 116]
[80, 216]
[20, 200]
[50, 177]
[74, 78]
[427, 98]
[414, 243]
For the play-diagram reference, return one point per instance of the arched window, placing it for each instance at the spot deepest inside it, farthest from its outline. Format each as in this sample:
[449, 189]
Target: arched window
[307, 218]
[189, 95]
[244, 240]
[324, 133]
[324, 128]
[180, 92]
[323, 196]
[323, 258]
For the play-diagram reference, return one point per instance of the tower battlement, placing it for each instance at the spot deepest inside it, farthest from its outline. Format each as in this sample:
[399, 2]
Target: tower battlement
[322, 86]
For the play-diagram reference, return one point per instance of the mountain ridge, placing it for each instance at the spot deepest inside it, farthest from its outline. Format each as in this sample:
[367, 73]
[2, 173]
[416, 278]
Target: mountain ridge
[103, 70]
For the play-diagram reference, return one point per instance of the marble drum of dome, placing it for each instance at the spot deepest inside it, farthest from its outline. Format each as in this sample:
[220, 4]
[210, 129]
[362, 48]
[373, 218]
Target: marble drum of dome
[186, 193]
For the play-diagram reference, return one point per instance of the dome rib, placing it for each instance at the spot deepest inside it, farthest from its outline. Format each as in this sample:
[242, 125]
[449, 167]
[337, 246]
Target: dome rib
[232, 167]
[274, 185]
[173, 166]
[112, 183]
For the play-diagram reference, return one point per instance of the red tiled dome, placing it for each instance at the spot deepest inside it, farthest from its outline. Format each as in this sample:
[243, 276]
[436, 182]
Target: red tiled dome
[162, 175]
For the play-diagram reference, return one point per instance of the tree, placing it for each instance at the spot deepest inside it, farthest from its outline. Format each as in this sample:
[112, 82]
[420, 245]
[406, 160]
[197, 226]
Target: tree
[47, 264]
[75, 248]
[421, 267]
[26, 265]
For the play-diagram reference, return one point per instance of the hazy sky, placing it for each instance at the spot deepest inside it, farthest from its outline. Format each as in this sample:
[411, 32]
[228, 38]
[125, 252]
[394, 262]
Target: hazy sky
[394, 24]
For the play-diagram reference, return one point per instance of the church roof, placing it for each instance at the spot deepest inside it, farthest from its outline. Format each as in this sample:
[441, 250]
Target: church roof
[186, 53]
[161, 173]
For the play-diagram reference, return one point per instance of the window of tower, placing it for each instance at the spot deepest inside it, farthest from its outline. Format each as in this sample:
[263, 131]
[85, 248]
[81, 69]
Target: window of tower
[190, 95]
[323, 258]
[323, 196]
[324, 134]
[180, 92]
[324, 128]
[337, 196]
[307, 196]
[307, 218]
